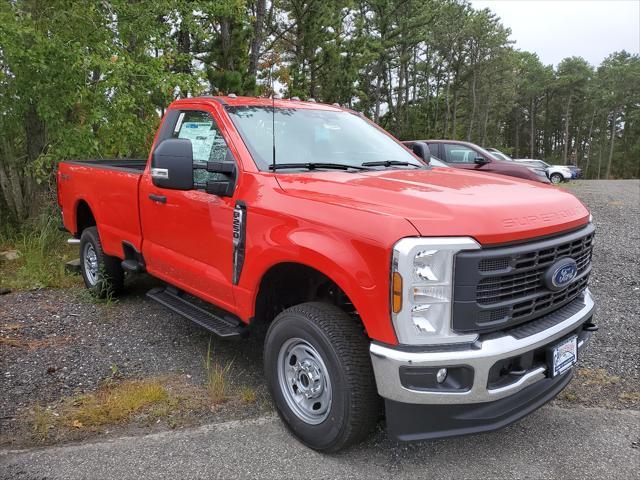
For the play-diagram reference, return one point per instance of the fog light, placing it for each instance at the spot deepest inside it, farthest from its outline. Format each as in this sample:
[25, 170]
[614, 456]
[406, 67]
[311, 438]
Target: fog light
[441, 375]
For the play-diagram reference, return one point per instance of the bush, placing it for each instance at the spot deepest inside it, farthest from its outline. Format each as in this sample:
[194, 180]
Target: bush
[42, 251]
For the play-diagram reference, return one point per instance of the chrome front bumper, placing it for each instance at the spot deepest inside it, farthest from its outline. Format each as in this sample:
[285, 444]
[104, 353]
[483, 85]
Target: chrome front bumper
[480, 357]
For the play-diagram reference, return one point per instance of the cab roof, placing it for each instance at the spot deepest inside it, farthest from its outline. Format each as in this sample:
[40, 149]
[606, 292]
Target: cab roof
[239, 101]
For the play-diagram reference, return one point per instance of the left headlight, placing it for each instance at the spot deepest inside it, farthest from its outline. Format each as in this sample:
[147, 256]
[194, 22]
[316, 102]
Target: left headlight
[422, 289]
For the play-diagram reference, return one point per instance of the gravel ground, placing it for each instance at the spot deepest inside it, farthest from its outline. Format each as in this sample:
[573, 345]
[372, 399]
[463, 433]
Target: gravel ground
[81, 342]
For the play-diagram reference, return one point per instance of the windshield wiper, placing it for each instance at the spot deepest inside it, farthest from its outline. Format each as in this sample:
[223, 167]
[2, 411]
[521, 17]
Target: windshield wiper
[390, 163]
[315, 165]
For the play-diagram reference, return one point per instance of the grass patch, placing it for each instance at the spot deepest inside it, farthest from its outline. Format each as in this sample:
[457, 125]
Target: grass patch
[597, 377]
[115, 403]
[43, 253]
[217, 382]
[33, 344]
[43, 421]
[248, 395]
[633, 397]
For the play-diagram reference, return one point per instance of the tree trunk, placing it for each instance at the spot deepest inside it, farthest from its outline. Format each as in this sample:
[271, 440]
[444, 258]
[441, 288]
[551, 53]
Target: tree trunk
[517, 123]
[473, 106]
[225, 43]
[566, 131]
[455, 113]
[532, 128]
[256, 39]
[484, 125]
[614, 119]
[445, 126]
[590, 141]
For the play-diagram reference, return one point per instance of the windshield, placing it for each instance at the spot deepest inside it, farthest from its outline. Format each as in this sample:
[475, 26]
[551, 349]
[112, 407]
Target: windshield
[308, 136]
[501, 156]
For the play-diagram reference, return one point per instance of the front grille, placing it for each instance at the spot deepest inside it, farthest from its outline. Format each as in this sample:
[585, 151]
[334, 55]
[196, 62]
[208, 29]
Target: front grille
[500, 287]
[529, 269]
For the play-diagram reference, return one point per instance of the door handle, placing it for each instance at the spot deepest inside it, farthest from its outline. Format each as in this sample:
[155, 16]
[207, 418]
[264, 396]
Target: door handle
[158, 198]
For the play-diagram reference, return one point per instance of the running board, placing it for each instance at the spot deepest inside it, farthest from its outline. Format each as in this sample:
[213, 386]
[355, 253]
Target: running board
[227, 326]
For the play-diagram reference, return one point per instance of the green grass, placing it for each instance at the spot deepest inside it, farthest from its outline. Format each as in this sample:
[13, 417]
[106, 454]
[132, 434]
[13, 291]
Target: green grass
[217, 382]
[43, 253]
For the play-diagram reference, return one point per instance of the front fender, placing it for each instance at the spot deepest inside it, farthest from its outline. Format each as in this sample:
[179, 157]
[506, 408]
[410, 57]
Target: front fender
[360, 268]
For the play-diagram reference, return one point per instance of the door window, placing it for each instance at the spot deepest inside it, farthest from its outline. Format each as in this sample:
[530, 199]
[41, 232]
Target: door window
[459, 153]
[207, 141]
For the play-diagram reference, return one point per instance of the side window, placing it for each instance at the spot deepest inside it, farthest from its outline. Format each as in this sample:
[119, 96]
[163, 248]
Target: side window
[459, 153]
[206, 140]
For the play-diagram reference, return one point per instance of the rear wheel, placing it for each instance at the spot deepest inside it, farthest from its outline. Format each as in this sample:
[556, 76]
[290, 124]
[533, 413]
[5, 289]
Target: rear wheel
[102, 273]
[320, 376]
[556, 178]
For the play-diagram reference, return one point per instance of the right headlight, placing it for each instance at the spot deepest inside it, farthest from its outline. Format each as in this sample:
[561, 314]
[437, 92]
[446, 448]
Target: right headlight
[422, 289]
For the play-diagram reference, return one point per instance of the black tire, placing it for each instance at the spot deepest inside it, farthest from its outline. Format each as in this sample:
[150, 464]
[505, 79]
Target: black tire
[343, 347]
[556, 178]
[109, 279]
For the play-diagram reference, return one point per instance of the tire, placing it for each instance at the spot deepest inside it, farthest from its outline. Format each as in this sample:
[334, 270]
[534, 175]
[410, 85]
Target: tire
[104, 276]
[330, 339]
[556, 178]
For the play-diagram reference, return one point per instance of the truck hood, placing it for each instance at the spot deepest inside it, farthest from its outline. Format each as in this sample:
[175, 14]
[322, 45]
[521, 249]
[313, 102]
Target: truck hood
[493, 209]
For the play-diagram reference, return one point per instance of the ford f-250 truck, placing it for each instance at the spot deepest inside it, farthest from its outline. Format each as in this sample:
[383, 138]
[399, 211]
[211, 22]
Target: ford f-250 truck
[458, 300]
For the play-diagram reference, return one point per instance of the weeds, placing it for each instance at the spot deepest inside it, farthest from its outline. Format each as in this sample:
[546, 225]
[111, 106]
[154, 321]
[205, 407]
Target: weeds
[115, 403]
[33, 344]
[43, 421]
[43, 253]
[248, 395]
[597, 377]
[217, 382]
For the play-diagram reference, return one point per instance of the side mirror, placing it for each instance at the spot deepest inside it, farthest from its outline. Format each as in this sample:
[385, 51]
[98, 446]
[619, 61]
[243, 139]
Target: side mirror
[421, 149]
[172, 164]
[481, 161]
[225, 183]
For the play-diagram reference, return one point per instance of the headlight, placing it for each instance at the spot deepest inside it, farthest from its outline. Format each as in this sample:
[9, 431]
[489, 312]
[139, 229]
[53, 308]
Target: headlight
[422, 289]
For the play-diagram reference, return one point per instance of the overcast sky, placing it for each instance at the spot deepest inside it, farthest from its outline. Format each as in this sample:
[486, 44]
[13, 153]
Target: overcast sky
[555, 29]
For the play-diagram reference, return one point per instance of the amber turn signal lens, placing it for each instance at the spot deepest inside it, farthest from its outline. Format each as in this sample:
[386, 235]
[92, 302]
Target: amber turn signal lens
[396, 289]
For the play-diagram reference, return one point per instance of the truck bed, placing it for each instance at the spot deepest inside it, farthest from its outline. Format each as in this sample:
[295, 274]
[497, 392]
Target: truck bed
[133, 165]
[109, 189]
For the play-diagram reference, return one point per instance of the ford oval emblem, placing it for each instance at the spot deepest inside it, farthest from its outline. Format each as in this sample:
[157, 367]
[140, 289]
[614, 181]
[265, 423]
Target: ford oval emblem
[561, 274]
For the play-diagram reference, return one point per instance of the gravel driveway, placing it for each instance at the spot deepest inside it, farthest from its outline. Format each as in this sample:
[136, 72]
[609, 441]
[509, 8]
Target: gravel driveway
[73, 343]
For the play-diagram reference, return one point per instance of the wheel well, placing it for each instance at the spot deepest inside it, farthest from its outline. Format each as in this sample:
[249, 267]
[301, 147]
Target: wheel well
[289, 284]
[84, 217]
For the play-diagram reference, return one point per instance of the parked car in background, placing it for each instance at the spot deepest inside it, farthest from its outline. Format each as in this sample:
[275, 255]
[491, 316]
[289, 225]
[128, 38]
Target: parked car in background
[469, 156]
[500, 155]
[576, 172]
[424, 152]
[556, 173]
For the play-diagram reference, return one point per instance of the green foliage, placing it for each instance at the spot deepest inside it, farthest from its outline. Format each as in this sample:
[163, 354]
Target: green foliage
[92, 78]
[42, 254]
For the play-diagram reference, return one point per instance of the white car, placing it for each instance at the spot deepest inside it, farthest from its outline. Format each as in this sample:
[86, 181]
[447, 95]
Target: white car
[556, 173]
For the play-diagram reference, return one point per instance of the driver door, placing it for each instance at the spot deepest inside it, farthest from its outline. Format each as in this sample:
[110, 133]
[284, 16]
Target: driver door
[188, 233]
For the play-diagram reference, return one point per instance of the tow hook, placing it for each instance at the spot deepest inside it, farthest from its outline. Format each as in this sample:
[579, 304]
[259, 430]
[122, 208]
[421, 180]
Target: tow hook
[590, 327]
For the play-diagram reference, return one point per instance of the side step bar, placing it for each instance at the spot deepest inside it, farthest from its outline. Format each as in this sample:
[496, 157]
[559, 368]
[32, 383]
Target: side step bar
[223, 326]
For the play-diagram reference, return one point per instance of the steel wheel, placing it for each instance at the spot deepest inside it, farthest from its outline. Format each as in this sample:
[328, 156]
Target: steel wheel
[304, 381]
[91, 268]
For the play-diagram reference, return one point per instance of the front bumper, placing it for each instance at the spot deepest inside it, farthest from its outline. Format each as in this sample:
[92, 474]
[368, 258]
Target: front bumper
[479, 358]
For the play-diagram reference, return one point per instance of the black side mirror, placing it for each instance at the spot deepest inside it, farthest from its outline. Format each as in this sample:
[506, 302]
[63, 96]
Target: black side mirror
[172, 164]
[481, 161]
[421, 149]
[223, 187]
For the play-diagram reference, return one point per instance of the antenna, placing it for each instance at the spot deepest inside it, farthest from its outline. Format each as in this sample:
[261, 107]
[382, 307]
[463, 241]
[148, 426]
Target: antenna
[273, 120]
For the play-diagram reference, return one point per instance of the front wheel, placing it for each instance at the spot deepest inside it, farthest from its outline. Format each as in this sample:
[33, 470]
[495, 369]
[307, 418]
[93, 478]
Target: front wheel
[556, 178]
[320, 376]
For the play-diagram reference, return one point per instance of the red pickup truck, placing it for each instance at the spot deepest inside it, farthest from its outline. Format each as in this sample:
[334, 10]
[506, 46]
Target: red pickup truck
[456, 300]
